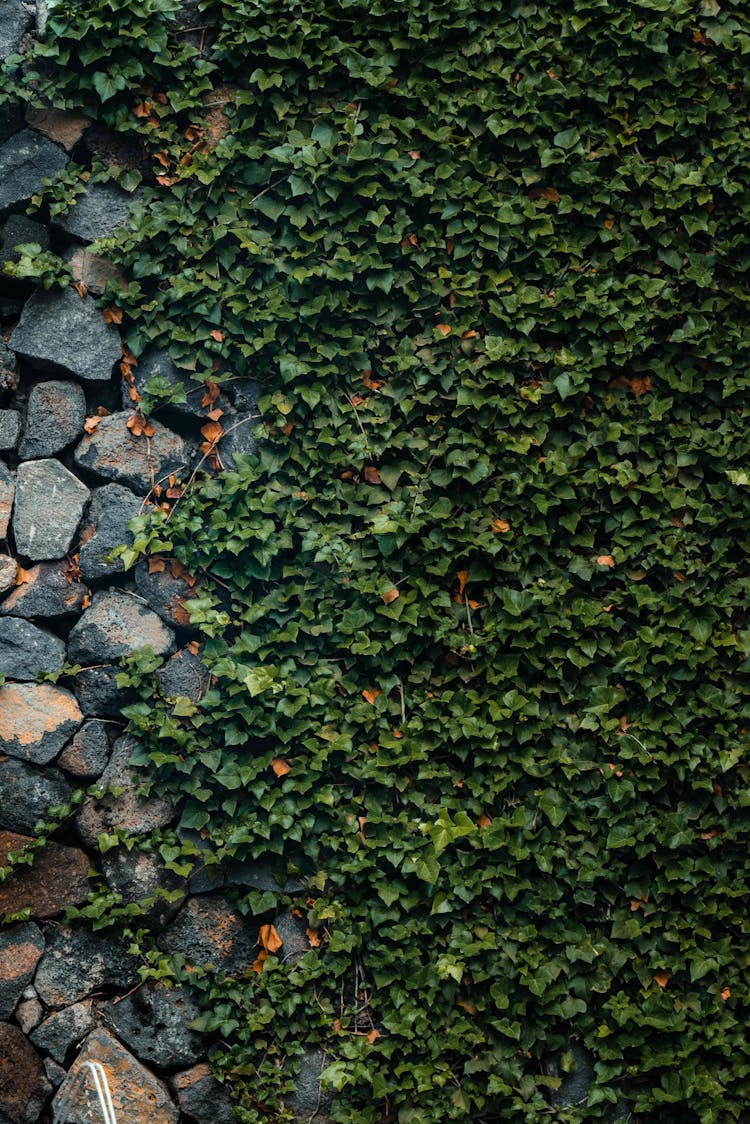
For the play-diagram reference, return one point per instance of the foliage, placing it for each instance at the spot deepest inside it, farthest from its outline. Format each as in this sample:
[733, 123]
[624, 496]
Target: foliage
[478, 632]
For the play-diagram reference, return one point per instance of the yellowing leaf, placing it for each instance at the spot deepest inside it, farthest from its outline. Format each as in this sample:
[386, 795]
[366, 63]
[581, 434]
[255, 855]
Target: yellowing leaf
[725, 993]
[313, 938]
[663, 978]
[390, 595]
[605, 560]
[444, 329]
[370, 694]
[500, 526]
[280, 766]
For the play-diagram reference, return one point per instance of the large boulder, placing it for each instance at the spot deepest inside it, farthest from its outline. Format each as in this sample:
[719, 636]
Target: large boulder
[114, 452]
[77, 963]
[65, 1028]
[57, 879]
[25, 160]
[26, 650]
[128, 812]
[23, 1085]
[105, 527]
[207, 930]
[61, 126]
[97, 691]
[154, 1022]
[48, 508]
[20, 950]
[28, 794]
[97, 212]
[183, 675]
[115, 625]
[167, 590]
[60, 332]
[55, 414]
[308, 1099]
[36, 720]
[48, 590]
[141, 876]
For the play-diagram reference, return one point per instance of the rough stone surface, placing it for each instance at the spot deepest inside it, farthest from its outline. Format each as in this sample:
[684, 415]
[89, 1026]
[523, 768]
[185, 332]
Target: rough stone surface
[238, 439]
[113, 452]
[55, 415]
[10, 427]
[245, 394]
[48, 508]
[65, 1028]
[28, 794]
[208, 931]
[575, 1085]
[201, 1097]
[105, 527]
[48, 591]
[97, 692]
[139, 875]
[20, 950]
[28, 1014]
[293, 932]
[115, 625]
[97, 212]
[308, 1099]
[57, 879]
[8, 572]
[93, 271]
[23, 1085]
[25, 160]
[7, 492]
[129, 812]
[25, 650]
[185, 675]
[166, 592]
[137, 1096]
[18, 231]
[157, 367]
[260, 875]
[36, 720]
[78, 963]
[154, 1023]
[55, 1073]
[15, 19]
[88, 753]
[59, 331]
[65, 129]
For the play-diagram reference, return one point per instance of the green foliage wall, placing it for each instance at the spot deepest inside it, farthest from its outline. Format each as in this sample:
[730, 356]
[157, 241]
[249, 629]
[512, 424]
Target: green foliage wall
[490, 262]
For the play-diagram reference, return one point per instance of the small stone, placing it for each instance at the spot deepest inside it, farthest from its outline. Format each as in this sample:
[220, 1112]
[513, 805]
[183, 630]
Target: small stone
[104, 528]
[128, 812]
[19, 231]
[8, 572]
[142, 875]
[23, 1086]
[7, 491]
[20, 950]
[238, 439]
[15, 20]
[97, 212]
[575, 1085]
[78, 963]
[26, 650]
[201, 1097]
[28, 1014]
[113, 452]
[293, 932]
[65, 129]
[55, 415]
[54, 1073]
[208, 931]
[97, 691]
[48, 590]
[49, 505]
[88, 753]
[167, 591]
[58, 331]
[137, 1096]
[36, 720]
[156, 369]
[25, 160]
[58, 878]
[115, 625]
[308, 1100]
[28, 794]
[154, 1023]
[10, 427]
[245, 394]
[93, 271]
[65, 1028]
[184, 675]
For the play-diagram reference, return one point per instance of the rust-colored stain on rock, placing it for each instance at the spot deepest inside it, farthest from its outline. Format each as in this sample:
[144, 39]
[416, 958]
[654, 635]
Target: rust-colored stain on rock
[29, 711]
[18, 959]
[58, 878]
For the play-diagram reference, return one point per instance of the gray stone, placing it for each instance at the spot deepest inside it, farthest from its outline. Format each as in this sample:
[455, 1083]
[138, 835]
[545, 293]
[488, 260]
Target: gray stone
[157, 369]
[93, 271]
[105, 527]
[154, 1023]
[48, 508]
[238, 439]
[28, 1014]
[58, 331]
[88, 752]
[245, 394]
[25, 160]
[113, 452]
[78, 963]
[142, 875]
[20, 230]
[36, 720]
[578, 1076]
[65, 1028]
[48, 590]
[166, 591]
[23, 1085]
[11, 121]
[61, 126]
[308, 1099]
[58, 877]
[8, 572]
[207, 930]
[26, 650]
[97, 691]
[55, 414]
[54, 1073]
[28, 794]
[117, 624]
[260, 875]
[7, 491]
[10, 427]
[15, 20]
[20, 950]
[293, 933]
[201, 1097]
[183, 675]
[128, 812]
[97, 212]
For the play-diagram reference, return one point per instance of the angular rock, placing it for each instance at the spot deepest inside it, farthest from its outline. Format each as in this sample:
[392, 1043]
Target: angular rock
[36, 720]
[25, 650]
[88, 753]
[97, 692]
[97, 212]
[208, 931]
[48, 508]
[183, 675]
[93, 271]
[201, 1097]
[25, 160]
[293, 933]
[139, 875]
[20, 950]
[260, 875]
[24, 1088]
[8, 572]
[28, 1014]
[308, 1100]
[137, 1096]
[156, 369]
[10, 427]
[113, 452]
[55, 414]
[49, 591]
[58, 331]
[167, 591]
[117, 624]
[238, 439]
[19, 231]
[7, 492]
[28, 794]
[11, 121]
[65, 1028]
[154, 1023]
[127, 812]
[62, 127]
[577, 1082]
[104, 528]
[15, 20]
[78, 963]
[245, 394]
[58, 878]
[54, 1073]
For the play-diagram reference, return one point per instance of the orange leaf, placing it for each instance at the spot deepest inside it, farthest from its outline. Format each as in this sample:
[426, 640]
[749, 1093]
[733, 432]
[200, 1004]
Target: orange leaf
[193, 647]
[463, 577]
[91, 423]
[372, 476]
[269, 938]
[373, 1036]
[212, 431]
[166, 181]
[725, 993]
[212, 393]
[484, 820]
[663, 978]
[398, 734]
[313, 938]
[605, 560]
[390, 595]
[143, 109]
[414, 154]
[280, 766]
[215, 414]
[444, 329]
[156, 565]
[112, 315]
[500, 526]
[86, 601]
[370, 382]
[370, 694]
[609, 223]
[162, 158]
[81, 288]
[552, 194]
[218, 336]
[258, 964]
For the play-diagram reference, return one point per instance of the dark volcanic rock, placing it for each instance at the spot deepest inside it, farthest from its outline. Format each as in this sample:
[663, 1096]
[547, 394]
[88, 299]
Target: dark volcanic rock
[576, 1083]
[166, 591]
[104, 528]
[20, 950]
[97, 212]
[7, 491]
[25, 650]
[208, 931]
[93, 271]
[115, 625]
[153, 1022]
[245, 394]
[36, 720]
[259, 874]
[49, 592]
[8, 572]
[58, 878]
[19, 231]
[139, 875]
[127, 812]
[28, 794]
[156, 369]
[88, 753]
[10, 427]
[48, 508]
[113, 452]
[308, 1100]
[77, 963]
[238, 439]
[8, 368]
[55, 415]
[97, 691]
[183, 675]
[25, 160]
[15, 20]
[201, 1097]
[65, 1028]
[23, 1085]
[59, 331]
